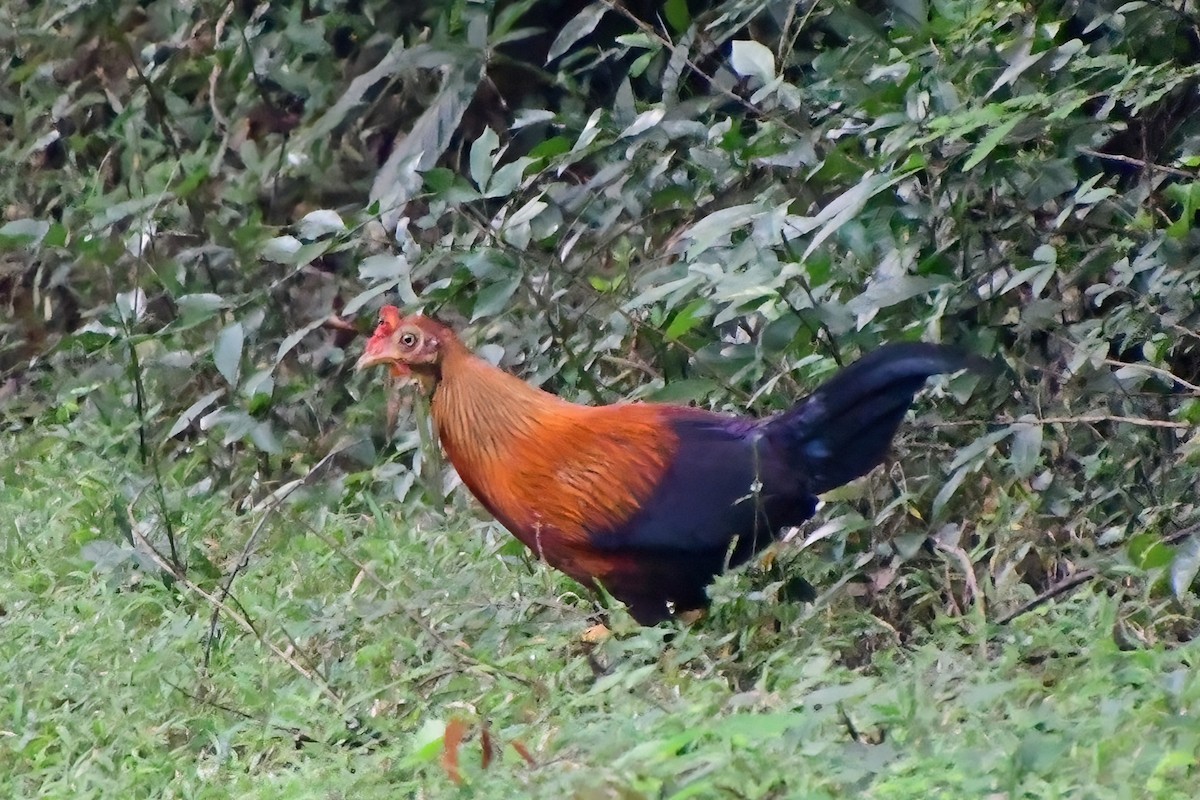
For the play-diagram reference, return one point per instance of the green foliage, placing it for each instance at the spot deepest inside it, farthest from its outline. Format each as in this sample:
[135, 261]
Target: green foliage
[364, 647]
[711, 203]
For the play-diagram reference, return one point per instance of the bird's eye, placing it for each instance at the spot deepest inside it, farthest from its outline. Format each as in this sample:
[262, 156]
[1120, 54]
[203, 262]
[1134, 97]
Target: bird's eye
[408, 339]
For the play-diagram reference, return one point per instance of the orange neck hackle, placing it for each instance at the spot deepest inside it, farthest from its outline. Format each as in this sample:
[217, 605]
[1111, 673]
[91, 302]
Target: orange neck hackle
[476, 404]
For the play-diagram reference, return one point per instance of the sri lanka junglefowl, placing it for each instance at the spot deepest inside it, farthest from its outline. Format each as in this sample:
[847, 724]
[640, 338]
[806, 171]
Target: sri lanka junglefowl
[651, 501]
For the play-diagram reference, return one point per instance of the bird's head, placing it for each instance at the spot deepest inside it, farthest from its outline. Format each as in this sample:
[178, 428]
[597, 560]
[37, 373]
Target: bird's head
[408, 346]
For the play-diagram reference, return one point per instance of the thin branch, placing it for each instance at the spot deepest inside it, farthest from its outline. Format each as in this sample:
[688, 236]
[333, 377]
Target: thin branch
[713, 84]
[1137, 162]
[1085, 419]
[1181, 534]
[1062, 587]
[298, 736]
[147, 455]
[631, 364]
[1084, 576]
[369, 574]
[218, 33]
[244, 558]
[241, 621]
[1159, 371]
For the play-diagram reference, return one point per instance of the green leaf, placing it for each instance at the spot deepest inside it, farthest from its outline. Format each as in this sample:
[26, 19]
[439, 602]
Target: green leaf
[426, 743]
[847, 206]
[94, 336]
[259, 388]
[685, 319]
[717, 226]
[687, 390]
[399, 178]
[507, 178]
[493, 298]
[1147, 551]
[401, 285]
[979, 448]
[439, 179]
[889, 292]
[1026, 447]
[591, 129]
[752, 60]
[282, 249]
[508, 15]
[989, 142]
[1036, 277]
[483, 155]
[1188, 198]
[576, 28]
[656, 293]
[527, 213]
[322, 222]
[1185, 566]
[383, 267]
[24, 231]
[623, 679]
[760, 726]
[193, 411]
[131, 306]
[549, 148]
[117, 212]
[294, 339]
[839, 693]
[677, 14]
[1020, 58]
[227, 352]
[197, 308]
[948, 489]
[643, 122]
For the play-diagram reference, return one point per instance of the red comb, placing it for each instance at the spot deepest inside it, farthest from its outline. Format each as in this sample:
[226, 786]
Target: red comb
[389, 317]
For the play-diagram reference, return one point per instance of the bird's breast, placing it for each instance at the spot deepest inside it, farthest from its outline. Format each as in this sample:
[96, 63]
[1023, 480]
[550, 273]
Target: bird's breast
[567, 473]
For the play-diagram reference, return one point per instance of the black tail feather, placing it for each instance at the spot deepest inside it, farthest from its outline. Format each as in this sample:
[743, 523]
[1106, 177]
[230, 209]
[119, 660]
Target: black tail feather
[844, 428]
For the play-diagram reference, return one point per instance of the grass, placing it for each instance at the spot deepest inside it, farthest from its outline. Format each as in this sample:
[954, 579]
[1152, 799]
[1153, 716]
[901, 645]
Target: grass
[371, 631]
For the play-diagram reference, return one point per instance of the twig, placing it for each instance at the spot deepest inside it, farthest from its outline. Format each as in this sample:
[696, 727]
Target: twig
[422, 623]
[242, 622]
[1181, 534]
[298, 736]
[1062, 587]
[244, 558]
[851, 728]
[1137, 162]
[147, 456]
[1160, 372]
[336, 323]
[215, 73]
[712, 82]
[1083, 576]
[1085, 419]
[631, 364]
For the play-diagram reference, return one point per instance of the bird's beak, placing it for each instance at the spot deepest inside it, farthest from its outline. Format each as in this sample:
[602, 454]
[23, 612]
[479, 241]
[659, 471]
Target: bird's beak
[378, 352]
[369, 359]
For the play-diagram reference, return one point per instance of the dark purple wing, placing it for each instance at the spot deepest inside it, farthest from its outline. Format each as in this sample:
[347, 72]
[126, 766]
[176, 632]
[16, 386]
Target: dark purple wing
[726, 480]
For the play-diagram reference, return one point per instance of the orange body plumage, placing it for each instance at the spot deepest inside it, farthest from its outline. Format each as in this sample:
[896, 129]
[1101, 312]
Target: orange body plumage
[651, 501]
